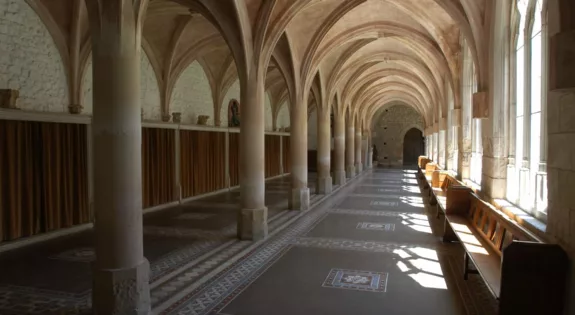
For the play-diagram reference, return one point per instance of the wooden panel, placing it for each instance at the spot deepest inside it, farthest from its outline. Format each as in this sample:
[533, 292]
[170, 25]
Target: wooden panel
[43, 177]
[202, 162]
[272, 155]
[158, 166]
[286, 154]
[234, 159]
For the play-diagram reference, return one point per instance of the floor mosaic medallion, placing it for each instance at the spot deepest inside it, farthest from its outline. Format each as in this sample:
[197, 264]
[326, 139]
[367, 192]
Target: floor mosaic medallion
[376, 226]
[356, 280]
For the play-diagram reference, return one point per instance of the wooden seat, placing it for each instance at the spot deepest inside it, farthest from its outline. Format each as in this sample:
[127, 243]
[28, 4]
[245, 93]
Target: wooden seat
[505, 255]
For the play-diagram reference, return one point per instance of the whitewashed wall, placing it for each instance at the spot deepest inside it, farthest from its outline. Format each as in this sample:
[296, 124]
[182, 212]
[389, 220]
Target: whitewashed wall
[29, 60]
[192, 95]
[149, 92]
[283, 116]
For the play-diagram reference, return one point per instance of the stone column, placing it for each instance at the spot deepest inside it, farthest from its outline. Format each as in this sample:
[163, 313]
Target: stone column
[369, 150]
[339, 147]
[358, 147]
[252, 218]
[324, 185]
[494, 150]
[120, 272]
[299, 193]
[464, 138]
[350, 147]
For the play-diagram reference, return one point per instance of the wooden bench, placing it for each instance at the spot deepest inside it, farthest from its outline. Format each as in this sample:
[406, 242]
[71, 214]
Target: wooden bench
[525, 274]
[422, 161]
[441, 181]
[430, 167]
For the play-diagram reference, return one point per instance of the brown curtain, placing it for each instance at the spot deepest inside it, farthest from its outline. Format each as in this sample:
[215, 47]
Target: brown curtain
[43, 177]
[158, 166]
[202, 160]
[234, 159]
[272, 155]
[287, 155]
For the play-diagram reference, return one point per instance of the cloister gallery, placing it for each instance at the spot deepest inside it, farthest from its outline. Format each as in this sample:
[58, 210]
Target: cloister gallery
[249, 156]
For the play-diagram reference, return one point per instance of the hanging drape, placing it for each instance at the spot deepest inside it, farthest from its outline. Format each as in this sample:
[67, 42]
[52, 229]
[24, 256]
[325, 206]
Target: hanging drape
[286, 154]
[158, 166]
[43, 177]
[202, 161]
[234, 162]
[272, 155]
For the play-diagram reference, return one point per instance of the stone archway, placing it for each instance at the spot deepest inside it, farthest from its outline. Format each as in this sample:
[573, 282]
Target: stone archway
[413, 146]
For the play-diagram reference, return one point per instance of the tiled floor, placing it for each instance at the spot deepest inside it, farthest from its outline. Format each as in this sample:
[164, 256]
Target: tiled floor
[182, 244]
[371, 248]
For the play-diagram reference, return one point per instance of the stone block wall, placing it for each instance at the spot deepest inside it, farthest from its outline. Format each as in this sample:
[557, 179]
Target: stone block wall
[149, 90]
[192, 95]
[283, 116]
[561, 175]
[390, 129]
[29, 60]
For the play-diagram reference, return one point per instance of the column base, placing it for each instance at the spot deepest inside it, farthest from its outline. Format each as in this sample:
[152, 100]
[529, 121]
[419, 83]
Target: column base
[122, 291]
[359, 168]
[350, 172]
[253, 224]
[324, 186]
[339, 177]
[299, 198]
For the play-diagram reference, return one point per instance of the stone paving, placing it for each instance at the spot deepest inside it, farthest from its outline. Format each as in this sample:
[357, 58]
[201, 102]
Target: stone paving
[371, 247]
[183, 244]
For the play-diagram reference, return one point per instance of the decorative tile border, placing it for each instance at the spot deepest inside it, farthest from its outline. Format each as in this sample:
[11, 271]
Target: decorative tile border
[381, 203]
[384, 190]
[356, 280]
[375, 213]
[194, 216]
[376, 226]
[82, 254]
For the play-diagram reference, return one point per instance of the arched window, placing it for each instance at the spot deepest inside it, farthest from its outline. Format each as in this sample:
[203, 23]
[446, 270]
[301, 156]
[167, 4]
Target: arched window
[524, 188]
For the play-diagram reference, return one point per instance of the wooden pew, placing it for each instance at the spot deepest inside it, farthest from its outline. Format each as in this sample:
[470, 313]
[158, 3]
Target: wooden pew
[430, 167]
[441, 181]
[525, 274]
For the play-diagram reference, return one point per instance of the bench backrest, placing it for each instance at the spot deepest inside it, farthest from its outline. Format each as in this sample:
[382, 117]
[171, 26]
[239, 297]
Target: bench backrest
[430, 167]
[495, 227]
[450, 181]
[422, 161]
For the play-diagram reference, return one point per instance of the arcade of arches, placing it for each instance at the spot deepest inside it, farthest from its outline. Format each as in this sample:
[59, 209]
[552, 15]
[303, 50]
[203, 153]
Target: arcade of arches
[201, 156]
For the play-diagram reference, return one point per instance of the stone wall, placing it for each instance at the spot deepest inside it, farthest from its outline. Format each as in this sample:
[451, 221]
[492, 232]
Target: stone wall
[149, 90]
[283, 116]
[192, 95]
[268, 114]
[232, 93]
[29, 59]
[561, 175]
[390, 129]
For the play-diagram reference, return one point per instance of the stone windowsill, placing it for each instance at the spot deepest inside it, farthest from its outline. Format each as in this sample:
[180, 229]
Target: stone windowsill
[517, 214]
[522, 217]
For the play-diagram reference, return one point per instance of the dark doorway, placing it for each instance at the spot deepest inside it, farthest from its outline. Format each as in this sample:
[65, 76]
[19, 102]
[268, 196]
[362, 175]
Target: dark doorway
[413, 146]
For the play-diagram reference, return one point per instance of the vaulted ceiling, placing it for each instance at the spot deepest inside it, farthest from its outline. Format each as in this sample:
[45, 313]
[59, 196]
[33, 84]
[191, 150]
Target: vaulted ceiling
[357, 55]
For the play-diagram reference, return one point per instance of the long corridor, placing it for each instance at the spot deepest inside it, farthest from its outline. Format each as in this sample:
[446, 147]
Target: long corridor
[373, 248]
